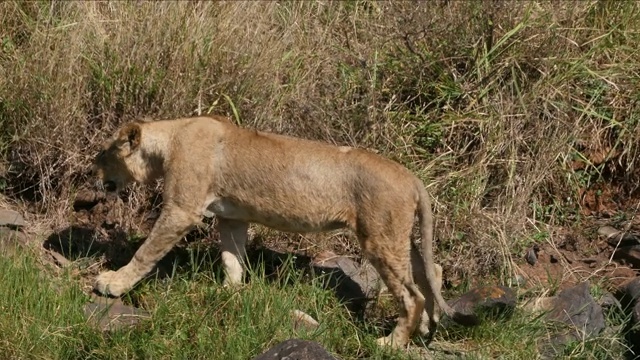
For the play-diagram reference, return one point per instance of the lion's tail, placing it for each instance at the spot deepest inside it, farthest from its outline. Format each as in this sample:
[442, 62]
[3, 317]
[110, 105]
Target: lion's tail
[425, 217]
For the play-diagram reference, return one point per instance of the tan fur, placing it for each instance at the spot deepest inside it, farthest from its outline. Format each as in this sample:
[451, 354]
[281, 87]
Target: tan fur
[210, 166]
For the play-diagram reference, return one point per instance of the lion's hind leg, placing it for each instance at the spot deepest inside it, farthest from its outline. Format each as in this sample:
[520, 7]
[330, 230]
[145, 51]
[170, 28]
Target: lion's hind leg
[431, 314]
[392, 264]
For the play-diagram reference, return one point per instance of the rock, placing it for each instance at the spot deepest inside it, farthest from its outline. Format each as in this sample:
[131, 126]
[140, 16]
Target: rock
[616, 237]
[354, 284]
[629, 294]
[86, 199]
[633, 335]
[11, 240]
[629, 291]
[635, 314]
[608, 302]
[531, 256]
[629, 255]
[540, 304]
[108, 314]
[578, 311]
[519, 280]
[488, 300]
[576, 306]
[11, 218]
[303, 321]
[620, 275]
[59, 259]
[296, 349]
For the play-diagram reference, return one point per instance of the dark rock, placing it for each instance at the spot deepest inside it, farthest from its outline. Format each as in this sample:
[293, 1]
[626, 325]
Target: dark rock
[629, 255]
[608, 302]
[531, 256]
[519, 280]
[488, 300]
[633, 333]
[296, 349]
[629, 294]
[630, 291]
[578, 313]
[11, 218]
[618, 238]
[354, 284]
[635, 313]
[109, 314]
[86, 199]
[576, 306]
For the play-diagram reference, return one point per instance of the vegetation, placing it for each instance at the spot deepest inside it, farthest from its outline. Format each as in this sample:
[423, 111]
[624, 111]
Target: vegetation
[514, 113]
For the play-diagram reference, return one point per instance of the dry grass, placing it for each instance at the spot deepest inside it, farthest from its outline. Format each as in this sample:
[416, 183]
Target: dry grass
[490, 101]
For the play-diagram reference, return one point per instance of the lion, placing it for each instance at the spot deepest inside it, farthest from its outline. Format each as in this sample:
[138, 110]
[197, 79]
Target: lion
[212, 167]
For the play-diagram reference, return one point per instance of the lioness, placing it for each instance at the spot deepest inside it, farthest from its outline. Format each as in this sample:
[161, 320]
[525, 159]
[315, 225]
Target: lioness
[212, 167]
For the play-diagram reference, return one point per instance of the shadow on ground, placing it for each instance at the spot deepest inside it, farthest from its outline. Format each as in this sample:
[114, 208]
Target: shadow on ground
[77, 242]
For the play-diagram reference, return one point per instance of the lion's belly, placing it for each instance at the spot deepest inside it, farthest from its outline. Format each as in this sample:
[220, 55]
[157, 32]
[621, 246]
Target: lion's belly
[279, 219]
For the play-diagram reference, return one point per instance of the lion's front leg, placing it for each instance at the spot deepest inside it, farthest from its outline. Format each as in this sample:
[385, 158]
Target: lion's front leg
[170, 227]
[233, 237]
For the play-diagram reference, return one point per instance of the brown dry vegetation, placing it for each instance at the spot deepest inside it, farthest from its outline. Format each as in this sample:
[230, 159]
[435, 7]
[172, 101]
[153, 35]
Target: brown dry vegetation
[511, 112]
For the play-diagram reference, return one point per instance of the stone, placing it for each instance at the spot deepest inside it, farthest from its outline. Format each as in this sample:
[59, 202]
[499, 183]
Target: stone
[519, 280]
[580, 316]
[488, 300]
[86, 199]
[576, 306]
[540, 304]
[11, 218]
[11, 240]
[303, 321]
[58, 258]
[633, 336]
[635, 313]
[296, 349]
[109, 314]
[531, 256]
[616, 237]
[354, 284]
[629, 291]
[628, 255]
[608, 302]
[629, 295]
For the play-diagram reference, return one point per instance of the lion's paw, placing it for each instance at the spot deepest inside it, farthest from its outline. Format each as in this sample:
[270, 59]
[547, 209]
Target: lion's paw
[390, 341]
[427, 327]
[231, 283]
[111, 283]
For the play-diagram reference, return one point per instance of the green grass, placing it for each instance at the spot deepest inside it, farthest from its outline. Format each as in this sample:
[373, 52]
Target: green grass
[193, 317]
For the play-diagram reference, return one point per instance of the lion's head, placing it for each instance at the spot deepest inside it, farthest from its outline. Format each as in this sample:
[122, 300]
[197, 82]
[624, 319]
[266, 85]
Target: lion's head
[115, 165]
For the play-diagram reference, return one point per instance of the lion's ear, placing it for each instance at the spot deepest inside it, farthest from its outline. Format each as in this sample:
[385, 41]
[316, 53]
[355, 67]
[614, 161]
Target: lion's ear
[129, 136]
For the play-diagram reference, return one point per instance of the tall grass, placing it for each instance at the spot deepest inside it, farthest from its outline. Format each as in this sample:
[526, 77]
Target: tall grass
[491, 103]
